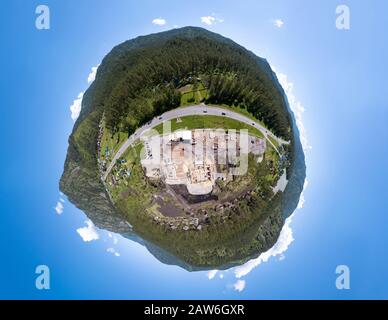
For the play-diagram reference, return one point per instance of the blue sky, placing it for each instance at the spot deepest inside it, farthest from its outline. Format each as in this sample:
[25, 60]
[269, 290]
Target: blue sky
[338, 76]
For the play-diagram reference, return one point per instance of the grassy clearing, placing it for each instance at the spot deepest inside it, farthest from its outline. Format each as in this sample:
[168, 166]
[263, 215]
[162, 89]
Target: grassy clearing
[191, 95]
[110, 144]
[130, 181]
[272, 156]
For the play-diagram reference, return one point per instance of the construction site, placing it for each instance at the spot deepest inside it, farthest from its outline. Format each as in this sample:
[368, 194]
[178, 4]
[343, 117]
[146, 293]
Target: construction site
[197, 158]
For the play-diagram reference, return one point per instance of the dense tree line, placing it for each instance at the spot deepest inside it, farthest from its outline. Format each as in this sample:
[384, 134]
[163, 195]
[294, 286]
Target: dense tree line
[167, 98]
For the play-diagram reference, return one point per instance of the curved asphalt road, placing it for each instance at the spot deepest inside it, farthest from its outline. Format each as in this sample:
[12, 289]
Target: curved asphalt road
[199, 110]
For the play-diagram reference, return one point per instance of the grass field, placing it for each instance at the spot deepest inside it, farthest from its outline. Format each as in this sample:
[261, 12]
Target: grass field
[209, 122]
[241, 111]
[276, 144]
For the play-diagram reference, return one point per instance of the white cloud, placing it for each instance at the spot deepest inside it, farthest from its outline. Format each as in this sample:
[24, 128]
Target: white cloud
[285, 239]
[239, 285]
[113, 251]
[59, 207]
[209, 20]
[302, 199]
[278, 23]
[159, 21]
[75, 108]
[92, 74]
[88, 233]
[296, 106]
[212, 19]
[211, 274]
[113, 237]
